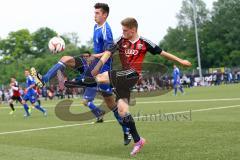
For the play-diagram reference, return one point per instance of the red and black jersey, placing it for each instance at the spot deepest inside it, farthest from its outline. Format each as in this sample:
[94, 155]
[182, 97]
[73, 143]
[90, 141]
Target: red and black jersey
[15, 90]
[132, 53]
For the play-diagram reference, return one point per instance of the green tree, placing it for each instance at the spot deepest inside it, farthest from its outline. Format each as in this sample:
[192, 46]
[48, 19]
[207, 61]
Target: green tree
[40, 40]
[17, 45]
[185, 16]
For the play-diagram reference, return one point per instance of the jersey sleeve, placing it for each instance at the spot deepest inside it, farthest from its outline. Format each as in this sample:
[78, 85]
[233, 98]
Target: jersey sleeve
[115, 46]
[107, 37]
[152, 47]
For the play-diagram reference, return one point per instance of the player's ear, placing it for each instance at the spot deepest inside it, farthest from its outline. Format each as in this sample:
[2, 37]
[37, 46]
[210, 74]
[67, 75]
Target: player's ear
[105, 15]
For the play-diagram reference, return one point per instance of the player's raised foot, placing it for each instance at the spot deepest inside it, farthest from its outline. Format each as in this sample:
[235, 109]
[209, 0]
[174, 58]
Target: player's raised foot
[11, 112]
[138, 146]
[37, 77]
[127, 138]
[45, 113]
[99, 120]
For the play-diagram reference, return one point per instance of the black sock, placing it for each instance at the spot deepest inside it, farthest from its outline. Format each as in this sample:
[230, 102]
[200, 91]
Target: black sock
[12, 107]
[129, 122]
[90, 82]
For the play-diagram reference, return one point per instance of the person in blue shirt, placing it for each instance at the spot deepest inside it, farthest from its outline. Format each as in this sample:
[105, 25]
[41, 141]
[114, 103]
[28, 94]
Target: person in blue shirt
[102, 40]
[31, 95]
[176, 80]
[90, 92]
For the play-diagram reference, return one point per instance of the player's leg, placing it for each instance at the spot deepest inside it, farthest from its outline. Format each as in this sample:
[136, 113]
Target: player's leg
[109, 99]
[11, 105]
[175, 86]
[102, 78]
[88, 98]
[130, 123]
[33, 100]
[123, 81]
[25, 106]
[65, 61]
[180, 87]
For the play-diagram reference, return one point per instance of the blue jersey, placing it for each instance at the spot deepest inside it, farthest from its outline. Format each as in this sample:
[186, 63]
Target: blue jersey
[102, 40]
[176, 75]
[30, 81]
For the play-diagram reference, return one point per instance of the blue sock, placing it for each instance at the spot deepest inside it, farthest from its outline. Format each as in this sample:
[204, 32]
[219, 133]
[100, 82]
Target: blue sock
[175, 90]
[26, 109]
[40, 108]
[120, 121]
[94, 109]
[53, 71]
[181, 89]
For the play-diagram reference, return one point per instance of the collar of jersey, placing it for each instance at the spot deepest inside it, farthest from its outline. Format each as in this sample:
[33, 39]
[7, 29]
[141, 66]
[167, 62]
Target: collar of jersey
[101, 25]
[138, 37]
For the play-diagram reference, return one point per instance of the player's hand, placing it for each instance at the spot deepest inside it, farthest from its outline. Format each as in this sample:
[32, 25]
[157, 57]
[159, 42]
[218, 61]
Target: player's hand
[186, 63]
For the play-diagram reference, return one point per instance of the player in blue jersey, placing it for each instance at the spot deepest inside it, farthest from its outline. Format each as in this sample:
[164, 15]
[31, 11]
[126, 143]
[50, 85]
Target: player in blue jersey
[90, 92]
[102, 39]
[31, 95]
[176, 80]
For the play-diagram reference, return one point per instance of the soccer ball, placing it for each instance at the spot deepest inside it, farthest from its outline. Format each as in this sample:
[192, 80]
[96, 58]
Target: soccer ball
[56, 45]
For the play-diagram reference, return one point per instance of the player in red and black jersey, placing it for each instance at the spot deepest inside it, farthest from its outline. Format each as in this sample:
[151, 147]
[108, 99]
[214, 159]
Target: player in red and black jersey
[16, 95]
[132, 49]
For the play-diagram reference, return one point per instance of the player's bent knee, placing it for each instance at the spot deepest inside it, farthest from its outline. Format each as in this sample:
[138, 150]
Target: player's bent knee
[66, 59]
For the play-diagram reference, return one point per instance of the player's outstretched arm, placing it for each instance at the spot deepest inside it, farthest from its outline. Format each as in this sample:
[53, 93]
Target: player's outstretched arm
[99, 55]
[172, 57]
[105, 56]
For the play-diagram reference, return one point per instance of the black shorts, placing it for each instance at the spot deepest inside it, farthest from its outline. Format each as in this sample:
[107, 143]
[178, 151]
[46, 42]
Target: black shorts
[17, 98]
[123, 82]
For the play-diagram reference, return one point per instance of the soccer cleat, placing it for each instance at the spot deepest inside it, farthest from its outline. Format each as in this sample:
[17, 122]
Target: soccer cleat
[26, 115]
[45, 113]
[138, 146]
[99, 120]
[37, 77]
[11, 113]
[127, 138]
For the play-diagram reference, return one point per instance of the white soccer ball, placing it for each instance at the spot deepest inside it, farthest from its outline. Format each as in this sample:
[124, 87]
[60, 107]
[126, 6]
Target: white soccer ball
[56, 45]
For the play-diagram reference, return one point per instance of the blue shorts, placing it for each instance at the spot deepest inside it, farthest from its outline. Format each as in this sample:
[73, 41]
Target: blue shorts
[30, 97]
[176, 83]
[106, 88]
[90, 93]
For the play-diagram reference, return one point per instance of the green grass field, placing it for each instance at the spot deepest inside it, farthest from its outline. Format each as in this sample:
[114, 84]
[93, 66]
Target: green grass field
[211, 132]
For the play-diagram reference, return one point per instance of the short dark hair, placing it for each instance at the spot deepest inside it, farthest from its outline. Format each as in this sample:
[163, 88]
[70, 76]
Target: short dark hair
[86, 52]
[103, 6]
[130, 23]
